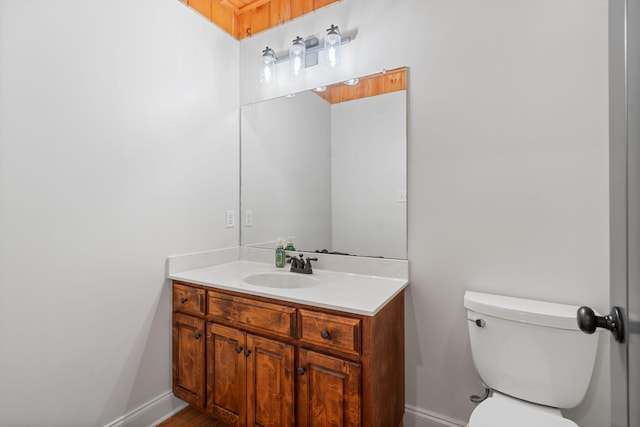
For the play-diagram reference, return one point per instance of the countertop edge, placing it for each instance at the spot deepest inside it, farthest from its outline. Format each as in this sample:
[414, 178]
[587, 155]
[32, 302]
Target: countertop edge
[402, 284]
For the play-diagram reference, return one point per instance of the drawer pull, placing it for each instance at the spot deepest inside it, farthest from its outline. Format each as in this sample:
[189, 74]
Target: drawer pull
[183, 300]
[300, 371]
[325, 334]
[247, 352]
[197, 335]
[238, 349]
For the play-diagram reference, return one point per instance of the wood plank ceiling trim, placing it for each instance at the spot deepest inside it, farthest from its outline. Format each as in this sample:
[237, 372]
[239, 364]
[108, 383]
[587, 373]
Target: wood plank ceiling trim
[375, 84]
[243, 18]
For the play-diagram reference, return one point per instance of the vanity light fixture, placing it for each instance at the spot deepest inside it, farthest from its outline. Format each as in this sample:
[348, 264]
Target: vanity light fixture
[352, 82]
[332, 43]
[320, 89]
[267, 65]
[303, 54]
[297, 57]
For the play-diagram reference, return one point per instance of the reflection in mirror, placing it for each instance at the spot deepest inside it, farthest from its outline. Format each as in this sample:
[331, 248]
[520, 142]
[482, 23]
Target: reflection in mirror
[327, 170]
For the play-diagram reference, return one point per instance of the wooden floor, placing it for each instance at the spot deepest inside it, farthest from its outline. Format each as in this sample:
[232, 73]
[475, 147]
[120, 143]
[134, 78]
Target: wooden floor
[191, 417]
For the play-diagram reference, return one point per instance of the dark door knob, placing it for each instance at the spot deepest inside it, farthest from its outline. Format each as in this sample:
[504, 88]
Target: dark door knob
[300, 371]
[247, 352]
[588, 322]
[238, 349]
[325, 334]
[183, 300]
[197, 335]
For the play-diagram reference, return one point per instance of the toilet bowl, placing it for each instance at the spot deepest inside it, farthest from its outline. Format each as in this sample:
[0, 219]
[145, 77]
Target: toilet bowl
[533, 357]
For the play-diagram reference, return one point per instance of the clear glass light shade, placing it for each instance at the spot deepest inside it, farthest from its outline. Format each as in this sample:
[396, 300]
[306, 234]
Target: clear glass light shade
[297, 58]
[267, 65]
[332, 43]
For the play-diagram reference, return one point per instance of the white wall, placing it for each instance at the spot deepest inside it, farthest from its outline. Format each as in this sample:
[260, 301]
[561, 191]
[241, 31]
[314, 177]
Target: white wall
[368, 171]
[118, 146]
[508, 175]
[286, 171]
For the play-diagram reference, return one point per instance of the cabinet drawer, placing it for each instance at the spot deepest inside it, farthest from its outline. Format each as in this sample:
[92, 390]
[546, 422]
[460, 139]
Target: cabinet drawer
[330, 330]
[274, 318]
[188, 299]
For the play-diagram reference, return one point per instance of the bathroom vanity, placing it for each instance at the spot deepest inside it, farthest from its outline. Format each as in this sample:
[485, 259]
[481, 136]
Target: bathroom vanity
[329, 353]
[258, 346]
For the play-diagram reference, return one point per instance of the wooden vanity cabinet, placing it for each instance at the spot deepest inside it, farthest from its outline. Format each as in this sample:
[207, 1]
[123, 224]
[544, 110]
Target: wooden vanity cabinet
[272, 363]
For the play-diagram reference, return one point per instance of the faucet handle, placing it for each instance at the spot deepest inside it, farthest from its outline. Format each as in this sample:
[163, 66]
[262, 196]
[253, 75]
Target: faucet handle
[307, 265]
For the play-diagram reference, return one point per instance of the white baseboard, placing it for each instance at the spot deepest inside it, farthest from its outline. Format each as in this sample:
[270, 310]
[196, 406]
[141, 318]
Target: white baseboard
[166, 405]
[151, 413]
[418, 417]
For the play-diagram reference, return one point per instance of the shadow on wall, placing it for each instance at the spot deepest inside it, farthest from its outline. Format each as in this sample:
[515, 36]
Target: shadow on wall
[153, 345]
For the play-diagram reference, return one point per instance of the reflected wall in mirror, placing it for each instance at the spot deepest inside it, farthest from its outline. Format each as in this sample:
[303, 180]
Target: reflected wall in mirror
[328, 169]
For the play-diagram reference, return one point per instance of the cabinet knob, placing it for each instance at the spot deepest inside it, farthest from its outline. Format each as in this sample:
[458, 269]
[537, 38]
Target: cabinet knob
[238, 349]
[247, 352]
[300, 371]
[197, 335]
[183, 300]
[325, 334]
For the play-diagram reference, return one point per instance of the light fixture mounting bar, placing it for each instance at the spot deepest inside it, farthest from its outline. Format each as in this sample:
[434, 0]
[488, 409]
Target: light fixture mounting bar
[313, 46]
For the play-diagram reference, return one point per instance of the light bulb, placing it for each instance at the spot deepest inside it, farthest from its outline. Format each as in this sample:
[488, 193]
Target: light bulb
[332, 43]
[297, 56]
[267, 65]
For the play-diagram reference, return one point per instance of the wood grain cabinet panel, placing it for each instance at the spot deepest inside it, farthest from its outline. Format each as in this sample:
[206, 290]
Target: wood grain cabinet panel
[249, 378]
[188, 299]
[188, 359]
[270, 385]
[271, 318]
[226, 374]
[328, 391]
[329, 330]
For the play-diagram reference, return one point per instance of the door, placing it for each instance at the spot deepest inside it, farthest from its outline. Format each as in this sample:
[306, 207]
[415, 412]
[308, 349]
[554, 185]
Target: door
[328, 391]
[188, 359]
[226, 370]
[624, 155]
[269, 383]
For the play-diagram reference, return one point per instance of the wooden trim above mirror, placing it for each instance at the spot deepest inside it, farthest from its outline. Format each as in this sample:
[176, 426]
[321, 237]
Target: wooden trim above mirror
[375, 84]
[243, 18]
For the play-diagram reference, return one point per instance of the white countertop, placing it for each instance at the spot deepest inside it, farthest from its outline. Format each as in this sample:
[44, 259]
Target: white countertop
[352, 293]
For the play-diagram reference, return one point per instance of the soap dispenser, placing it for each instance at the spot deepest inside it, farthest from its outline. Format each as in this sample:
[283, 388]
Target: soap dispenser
[280, 254]
[289, 246]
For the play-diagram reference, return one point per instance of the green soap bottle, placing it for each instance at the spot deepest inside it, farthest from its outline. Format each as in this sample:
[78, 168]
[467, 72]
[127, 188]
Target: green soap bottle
[280, 257]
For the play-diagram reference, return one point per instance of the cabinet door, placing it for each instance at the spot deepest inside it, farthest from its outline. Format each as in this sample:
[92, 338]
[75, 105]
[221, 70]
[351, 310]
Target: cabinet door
[270, 384]
[328, 391]
[188, 359]
[226, 370]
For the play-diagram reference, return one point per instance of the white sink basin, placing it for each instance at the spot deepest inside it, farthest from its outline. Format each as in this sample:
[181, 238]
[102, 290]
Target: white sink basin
[286, 280]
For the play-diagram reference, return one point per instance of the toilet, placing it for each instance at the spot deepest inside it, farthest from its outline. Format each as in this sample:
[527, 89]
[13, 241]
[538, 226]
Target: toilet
[532, 356]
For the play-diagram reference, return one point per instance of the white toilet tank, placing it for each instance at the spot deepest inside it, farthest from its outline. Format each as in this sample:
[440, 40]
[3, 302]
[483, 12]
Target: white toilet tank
[531, 350]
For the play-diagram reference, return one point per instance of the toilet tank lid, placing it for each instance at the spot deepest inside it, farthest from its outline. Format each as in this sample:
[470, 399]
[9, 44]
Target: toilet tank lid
[541, 313]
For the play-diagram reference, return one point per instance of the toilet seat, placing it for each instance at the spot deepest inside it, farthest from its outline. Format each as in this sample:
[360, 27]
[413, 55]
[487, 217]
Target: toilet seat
[505, 411]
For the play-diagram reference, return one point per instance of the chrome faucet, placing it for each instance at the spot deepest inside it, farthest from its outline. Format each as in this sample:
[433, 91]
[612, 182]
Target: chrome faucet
[299, 265]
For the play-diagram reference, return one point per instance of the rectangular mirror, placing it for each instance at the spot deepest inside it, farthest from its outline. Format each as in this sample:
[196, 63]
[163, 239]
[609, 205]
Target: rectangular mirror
[327, 170]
